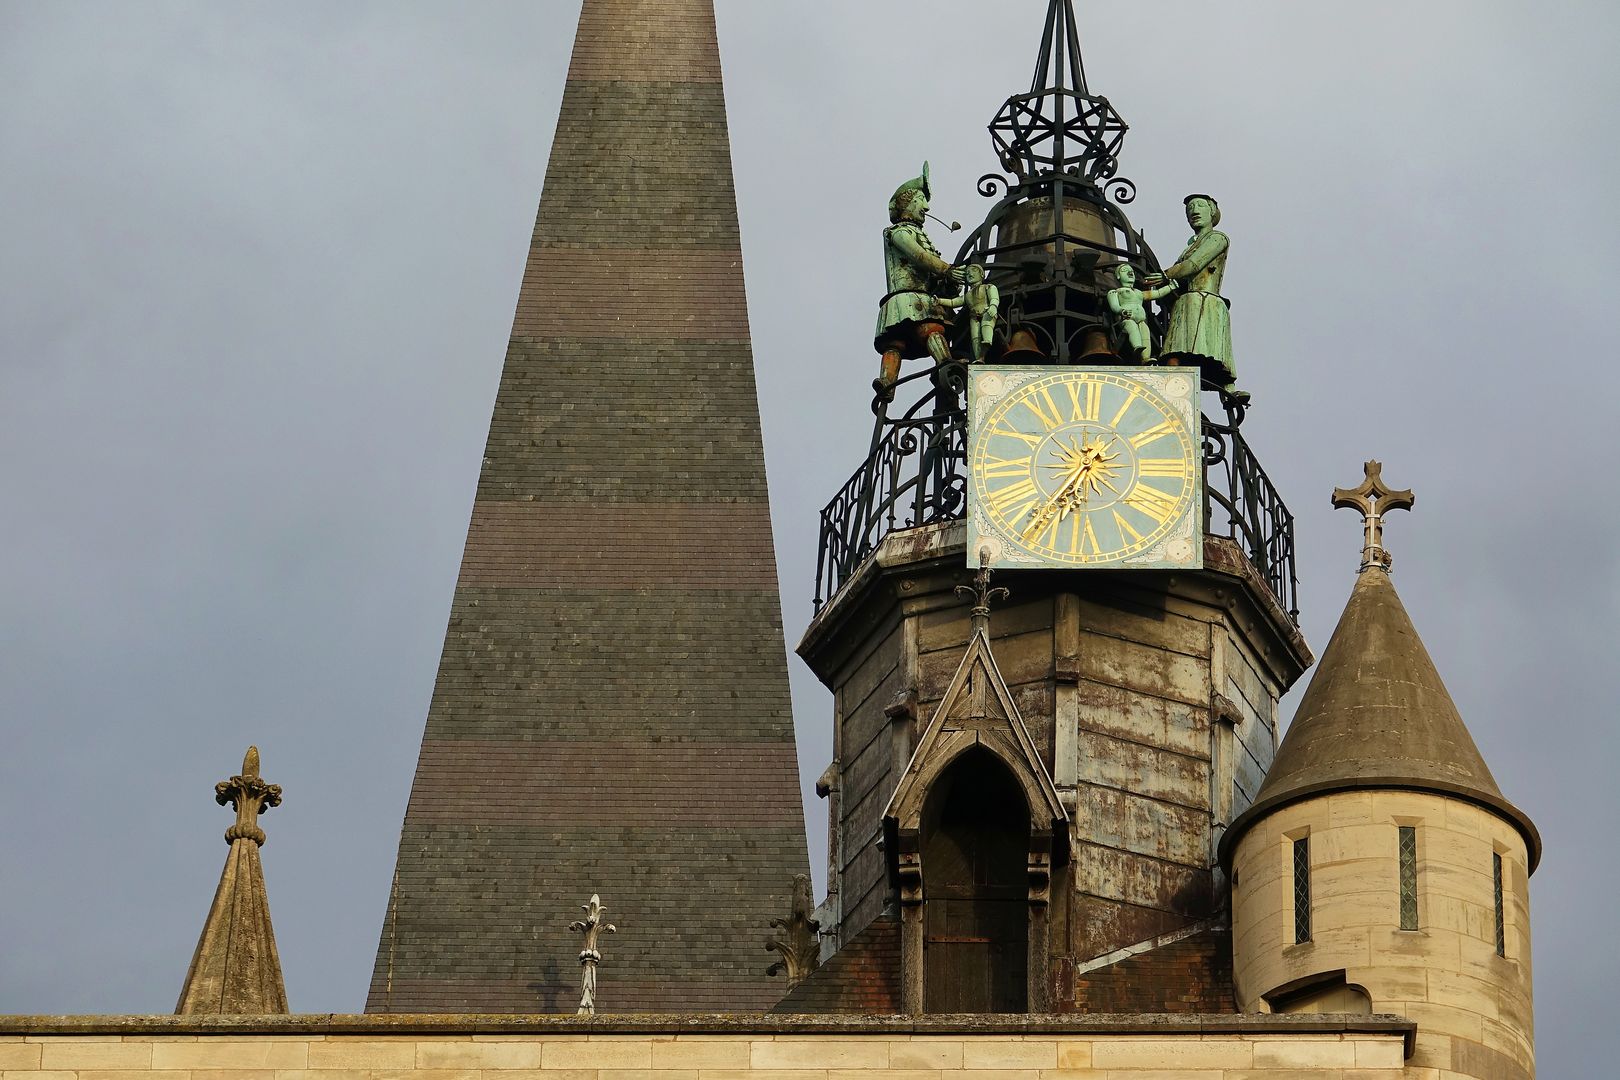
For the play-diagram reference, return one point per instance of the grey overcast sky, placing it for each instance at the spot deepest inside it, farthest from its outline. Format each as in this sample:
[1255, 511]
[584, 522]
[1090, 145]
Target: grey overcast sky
[259, 265]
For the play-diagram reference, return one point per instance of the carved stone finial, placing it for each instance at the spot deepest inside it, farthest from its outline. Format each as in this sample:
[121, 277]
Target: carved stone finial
[800, 942]
[249, 796]
[236, 968]
[590, 926]
[983, 595]
[1374, 499]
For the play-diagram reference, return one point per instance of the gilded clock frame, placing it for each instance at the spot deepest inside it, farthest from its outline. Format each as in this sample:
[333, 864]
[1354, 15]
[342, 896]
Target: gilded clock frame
[1041, 407]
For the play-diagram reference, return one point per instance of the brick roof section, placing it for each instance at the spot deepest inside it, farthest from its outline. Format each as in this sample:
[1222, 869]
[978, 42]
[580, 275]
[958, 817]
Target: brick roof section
[611, 711]
[861, 978]
[1193, 975]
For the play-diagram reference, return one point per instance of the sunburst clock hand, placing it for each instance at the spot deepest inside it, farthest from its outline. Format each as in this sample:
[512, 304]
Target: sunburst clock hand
[1061, 502]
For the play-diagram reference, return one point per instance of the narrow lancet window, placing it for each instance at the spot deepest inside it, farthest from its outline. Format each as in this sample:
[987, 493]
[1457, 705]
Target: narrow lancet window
[1302, 890]
[1501, 922]
[1409, 905]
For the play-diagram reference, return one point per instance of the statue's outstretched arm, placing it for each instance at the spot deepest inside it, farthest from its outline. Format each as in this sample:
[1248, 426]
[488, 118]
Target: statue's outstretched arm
[1206, 251]
[912, 250]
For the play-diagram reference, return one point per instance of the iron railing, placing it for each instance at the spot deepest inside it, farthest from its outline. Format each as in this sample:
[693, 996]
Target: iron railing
[916, 474]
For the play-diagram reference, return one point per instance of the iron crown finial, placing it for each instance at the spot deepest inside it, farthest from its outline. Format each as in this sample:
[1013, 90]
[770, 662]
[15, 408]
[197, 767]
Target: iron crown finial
[983, 595]
[1059, 125]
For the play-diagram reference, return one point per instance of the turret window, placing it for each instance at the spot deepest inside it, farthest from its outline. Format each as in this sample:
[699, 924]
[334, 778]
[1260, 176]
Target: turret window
[1409, 904]
[1302, 890]
[1501, 922]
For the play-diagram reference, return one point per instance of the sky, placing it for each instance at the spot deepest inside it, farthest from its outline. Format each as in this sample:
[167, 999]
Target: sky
[259, 267]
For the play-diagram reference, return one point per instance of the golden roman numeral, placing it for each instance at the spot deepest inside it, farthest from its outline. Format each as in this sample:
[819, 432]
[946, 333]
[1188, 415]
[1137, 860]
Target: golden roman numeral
[1048, 535]
[1002, 499]
[1152, 502]
[996, 468]
[1092, 407]
[1175, 468]
[1089, 534]
[1027, 440]
[1125, 528]
[1047, 422]
[1130, 399]
[1157, 431]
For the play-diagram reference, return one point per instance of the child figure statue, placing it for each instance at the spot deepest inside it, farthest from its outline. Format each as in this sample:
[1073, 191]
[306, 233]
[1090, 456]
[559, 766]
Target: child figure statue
[981, 299]
[1129, 314]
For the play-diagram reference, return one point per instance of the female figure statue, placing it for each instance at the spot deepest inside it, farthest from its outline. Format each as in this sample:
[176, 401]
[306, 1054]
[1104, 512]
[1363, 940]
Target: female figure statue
[1200, 327]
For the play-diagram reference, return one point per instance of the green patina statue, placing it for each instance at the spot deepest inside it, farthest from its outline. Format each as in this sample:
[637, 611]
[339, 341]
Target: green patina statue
[911, 315]
[1130, 316]
[1200, 328]
[981, 299]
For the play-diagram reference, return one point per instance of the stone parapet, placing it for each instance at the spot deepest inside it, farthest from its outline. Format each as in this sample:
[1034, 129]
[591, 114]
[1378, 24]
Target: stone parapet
[704, 1047]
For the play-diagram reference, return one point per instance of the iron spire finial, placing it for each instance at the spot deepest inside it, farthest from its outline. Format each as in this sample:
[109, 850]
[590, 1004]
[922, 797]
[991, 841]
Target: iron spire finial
[983, 595]
[1374, 499]
[1059, 125]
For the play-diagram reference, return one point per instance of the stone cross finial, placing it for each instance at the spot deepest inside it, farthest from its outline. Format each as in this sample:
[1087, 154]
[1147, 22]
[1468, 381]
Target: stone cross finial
[982, 593]
[800, 942]
[1374, 500]
[590, 926]
[249, 796]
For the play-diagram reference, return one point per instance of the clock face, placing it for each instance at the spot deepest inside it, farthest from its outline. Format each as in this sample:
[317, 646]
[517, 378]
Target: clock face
[1084, 467]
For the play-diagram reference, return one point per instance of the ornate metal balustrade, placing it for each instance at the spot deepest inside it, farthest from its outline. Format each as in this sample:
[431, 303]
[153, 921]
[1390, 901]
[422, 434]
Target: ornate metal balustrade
[1240, 502]
[1051, 246]
[916, 475]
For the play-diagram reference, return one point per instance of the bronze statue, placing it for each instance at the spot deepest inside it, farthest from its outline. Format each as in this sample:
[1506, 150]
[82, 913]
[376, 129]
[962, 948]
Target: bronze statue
[1200, 328]
[1127, 302]
[912, 316]
[981, 300]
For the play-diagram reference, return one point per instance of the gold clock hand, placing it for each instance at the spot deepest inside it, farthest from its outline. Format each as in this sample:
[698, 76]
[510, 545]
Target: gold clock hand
[1058, 502]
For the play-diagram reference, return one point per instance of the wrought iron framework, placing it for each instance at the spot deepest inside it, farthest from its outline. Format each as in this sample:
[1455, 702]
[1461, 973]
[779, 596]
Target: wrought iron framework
[1059, 125]
[916, 475]
[1049, 245]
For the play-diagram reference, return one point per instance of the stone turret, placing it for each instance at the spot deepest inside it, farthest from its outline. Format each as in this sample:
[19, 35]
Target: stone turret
[1380, 868]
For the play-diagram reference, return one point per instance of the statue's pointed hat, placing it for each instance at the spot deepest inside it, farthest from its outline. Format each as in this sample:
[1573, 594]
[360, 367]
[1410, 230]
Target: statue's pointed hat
[903, 192]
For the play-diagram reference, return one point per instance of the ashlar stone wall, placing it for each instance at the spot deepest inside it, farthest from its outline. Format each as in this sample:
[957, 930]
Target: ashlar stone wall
[1472, 1005]
[703, 1048]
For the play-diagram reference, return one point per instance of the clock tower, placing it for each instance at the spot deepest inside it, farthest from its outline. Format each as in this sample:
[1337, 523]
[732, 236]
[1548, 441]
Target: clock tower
[1028, 794]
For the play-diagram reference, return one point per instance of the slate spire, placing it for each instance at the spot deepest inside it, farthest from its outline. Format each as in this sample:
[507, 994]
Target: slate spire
[235, 968]
[611, 710]
[1376, 713]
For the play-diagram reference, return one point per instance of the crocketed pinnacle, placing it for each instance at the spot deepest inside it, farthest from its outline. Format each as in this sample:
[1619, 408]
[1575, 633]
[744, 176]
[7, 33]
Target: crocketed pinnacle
[235, 968]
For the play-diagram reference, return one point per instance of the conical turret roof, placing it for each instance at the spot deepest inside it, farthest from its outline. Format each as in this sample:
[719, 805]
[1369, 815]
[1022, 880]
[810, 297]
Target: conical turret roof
[1377, 715]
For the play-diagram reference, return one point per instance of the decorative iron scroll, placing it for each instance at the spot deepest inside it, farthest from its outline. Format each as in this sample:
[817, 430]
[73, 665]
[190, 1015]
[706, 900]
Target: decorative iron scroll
[1241, 503]
[916, 475]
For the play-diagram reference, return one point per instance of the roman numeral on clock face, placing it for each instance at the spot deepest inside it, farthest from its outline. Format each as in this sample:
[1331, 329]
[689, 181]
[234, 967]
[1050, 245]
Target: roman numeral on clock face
[1040, 403]
[1175, 468]
[1157, 431]
[1009, 433]
[1125, 528]
[1087, 401]
[1152, 502]
[1004, 468]
[1015, 500]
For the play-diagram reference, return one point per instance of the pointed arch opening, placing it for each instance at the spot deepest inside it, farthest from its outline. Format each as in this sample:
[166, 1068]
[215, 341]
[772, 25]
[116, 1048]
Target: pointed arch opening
[975, 843]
